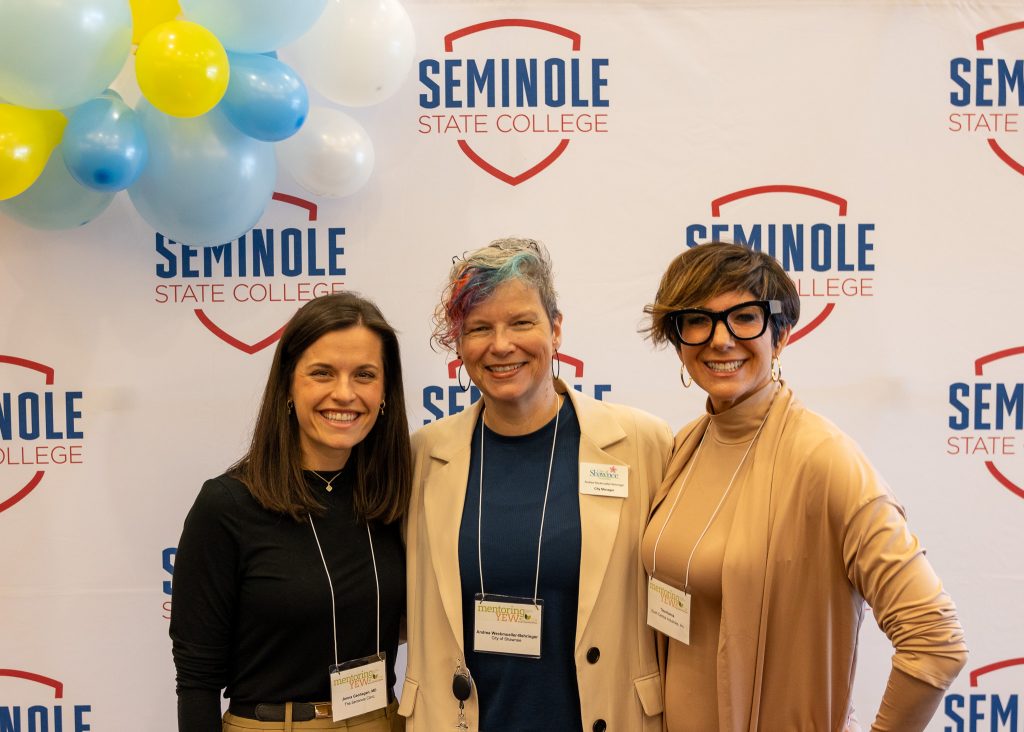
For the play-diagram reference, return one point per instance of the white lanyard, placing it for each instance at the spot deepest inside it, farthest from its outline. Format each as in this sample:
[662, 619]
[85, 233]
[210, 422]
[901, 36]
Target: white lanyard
[714, 514]
[543, 512]
[376, 579]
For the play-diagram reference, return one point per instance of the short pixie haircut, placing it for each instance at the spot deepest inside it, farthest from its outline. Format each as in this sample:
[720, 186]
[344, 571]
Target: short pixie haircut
[709, 270]
[475, 275]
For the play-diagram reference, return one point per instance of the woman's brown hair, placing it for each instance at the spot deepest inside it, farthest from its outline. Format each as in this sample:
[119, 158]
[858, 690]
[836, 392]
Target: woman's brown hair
[708, 270]
[272, 467]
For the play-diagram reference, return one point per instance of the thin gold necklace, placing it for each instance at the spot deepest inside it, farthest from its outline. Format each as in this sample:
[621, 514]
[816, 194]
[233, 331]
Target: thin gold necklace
[329, 483]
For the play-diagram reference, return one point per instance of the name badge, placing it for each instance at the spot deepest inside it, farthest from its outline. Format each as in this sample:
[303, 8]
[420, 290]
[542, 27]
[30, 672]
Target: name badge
[507, 625]
[668, 610]
[604, 480]
[358, 687]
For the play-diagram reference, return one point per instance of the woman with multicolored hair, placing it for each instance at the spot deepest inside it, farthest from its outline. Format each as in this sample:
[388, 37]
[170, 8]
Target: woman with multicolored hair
[525, 587]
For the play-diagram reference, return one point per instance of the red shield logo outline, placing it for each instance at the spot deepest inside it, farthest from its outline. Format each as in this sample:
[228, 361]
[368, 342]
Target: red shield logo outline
[57, 686]
[993, 144]
[989, 668]
[467, 150]
[224, 335]
[979, 369]
[22, 492]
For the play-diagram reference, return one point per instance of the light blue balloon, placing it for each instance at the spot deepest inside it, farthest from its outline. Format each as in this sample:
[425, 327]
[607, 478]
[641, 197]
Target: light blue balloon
[254, 26]
[265, 99]
[104, 146]
[56, 200]
[205, 182]
[60, 53]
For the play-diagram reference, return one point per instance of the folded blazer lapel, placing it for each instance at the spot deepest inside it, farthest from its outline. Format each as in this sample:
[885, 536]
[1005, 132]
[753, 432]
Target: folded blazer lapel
[444, 497]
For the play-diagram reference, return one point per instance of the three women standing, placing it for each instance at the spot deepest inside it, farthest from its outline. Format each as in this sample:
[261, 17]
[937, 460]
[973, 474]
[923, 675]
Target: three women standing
[289, 576]
[525, 584]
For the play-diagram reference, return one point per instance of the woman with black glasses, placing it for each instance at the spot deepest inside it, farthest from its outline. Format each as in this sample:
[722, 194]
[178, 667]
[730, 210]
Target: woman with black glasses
[772, 532]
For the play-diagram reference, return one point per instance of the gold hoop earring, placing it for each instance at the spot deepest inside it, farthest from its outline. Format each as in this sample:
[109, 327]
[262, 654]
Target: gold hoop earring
[776, 368]
[382, 403]
[685, 377]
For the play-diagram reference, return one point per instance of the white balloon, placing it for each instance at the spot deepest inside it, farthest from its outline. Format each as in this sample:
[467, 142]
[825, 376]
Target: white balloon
[358, 53]
[331, 155]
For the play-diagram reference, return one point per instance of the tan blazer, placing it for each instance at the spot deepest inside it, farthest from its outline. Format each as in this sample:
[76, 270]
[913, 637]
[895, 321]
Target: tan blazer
[621, 684]
[816, 533]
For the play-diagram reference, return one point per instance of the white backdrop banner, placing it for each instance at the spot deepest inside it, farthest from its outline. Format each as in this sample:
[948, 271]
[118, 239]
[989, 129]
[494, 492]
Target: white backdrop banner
[875, 148]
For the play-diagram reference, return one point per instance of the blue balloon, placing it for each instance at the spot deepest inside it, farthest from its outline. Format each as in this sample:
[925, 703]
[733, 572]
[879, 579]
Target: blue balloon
[206, 182]
[254, 26]
[56, 200]
[104, 146]
[265, 99]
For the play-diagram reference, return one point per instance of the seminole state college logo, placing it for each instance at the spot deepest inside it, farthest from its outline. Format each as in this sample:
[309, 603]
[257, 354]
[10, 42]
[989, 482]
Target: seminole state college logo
[33, 702]
[243, 292]
[987, 93]
[829, 255]
[511, 94]
[41, 428]
[986, 417]
[444, 400]
[993, 701]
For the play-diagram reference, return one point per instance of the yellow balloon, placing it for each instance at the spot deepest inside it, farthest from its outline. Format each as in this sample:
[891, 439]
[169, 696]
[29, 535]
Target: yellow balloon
[149, 13]
[182, 68]
[27, 137]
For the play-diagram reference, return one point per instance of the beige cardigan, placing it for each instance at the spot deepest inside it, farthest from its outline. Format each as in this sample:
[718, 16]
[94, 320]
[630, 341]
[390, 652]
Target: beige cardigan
[816, 533]
[622, 686]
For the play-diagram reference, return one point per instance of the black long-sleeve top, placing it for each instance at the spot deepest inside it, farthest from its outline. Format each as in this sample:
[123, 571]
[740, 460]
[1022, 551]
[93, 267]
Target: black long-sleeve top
[251, 605]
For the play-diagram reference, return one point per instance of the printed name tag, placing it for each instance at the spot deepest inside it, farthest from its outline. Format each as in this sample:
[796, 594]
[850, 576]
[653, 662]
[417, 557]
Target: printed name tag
[668, 610]
[508, 625]
[358, 687]
[604, 480]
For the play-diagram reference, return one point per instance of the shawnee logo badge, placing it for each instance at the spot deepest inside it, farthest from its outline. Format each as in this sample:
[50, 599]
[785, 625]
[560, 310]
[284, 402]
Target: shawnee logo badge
[512, 94]
[987, 92]
[830, 258]
[40, 428]
[275, 267]
[987, 417]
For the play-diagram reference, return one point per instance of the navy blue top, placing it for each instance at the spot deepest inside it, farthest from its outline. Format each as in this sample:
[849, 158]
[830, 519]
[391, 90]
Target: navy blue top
[526, 694]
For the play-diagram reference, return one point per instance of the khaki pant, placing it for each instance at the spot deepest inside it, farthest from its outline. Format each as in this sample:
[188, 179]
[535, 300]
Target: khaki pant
[382, 720]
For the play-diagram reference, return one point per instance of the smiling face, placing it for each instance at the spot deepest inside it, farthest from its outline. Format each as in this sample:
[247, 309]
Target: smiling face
[506, 344]
[728, 369]
[337, 388]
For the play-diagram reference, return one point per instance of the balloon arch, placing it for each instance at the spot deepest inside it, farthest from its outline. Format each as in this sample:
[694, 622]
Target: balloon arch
[217, 110]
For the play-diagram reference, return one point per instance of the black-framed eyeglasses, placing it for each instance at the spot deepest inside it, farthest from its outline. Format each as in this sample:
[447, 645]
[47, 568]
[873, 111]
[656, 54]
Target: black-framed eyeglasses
[745, 321]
